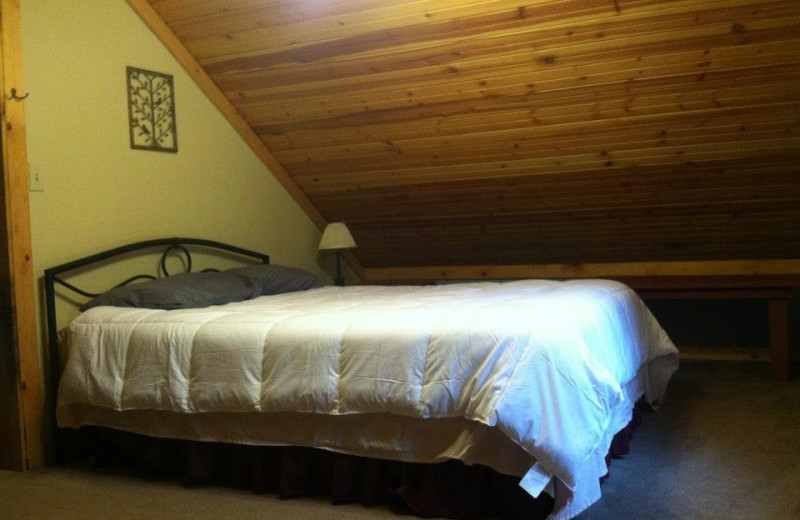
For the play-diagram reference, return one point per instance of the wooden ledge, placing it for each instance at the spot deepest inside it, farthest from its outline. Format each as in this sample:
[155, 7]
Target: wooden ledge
[735, 272]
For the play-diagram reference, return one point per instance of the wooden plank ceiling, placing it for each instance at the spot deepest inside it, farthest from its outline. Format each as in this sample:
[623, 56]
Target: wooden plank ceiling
[466, 132]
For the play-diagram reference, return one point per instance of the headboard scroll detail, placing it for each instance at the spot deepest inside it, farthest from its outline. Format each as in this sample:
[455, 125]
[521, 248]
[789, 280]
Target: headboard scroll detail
[51, 275]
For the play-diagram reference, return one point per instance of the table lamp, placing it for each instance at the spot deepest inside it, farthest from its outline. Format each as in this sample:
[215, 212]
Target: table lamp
[337, 237]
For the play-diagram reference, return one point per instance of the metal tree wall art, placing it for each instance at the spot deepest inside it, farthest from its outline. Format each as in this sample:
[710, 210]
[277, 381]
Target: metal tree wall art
[151, 110]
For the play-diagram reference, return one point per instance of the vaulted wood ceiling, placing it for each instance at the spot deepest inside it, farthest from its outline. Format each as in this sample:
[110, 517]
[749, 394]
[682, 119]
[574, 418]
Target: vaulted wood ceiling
[466, 132]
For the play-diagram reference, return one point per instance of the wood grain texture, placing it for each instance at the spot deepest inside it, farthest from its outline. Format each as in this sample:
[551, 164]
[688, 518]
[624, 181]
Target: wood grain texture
[17, 305]
[501, 132]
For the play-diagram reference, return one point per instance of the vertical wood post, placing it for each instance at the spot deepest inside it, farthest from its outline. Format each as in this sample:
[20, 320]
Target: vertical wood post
[18, 261]
[779, 338]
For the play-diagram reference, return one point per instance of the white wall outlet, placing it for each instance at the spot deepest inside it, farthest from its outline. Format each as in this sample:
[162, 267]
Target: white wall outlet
[35, 182]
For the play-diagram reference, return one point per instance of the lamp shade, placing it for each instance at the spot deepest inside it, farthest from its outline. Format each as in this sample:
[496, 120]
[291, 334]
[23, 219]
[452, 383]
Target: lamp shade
[336, 236]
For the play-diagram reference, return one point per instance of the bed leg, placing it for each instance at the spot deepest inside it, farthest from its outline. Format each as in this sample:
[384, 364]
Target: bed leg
[779, 338]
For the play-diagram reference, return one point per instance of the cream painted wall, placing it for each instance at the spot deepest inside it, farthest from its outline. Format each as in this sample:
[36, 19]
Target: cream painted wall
[97, 192]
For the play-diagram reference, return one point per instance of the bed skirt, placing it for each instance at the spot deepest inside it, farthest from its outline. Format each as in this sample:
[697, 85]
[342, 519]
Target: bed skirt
[449, 490]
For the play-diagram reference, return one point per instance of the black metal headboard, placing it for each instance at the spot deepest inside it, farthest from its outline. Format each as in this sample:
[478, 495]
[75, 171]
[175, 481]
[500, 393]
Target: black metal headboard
[51, 276]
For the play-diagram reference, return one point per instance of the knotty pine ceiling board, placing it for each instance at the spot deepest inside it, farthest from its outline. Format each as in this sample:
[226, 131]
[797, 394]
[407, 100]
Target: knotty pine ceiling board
[504, 132]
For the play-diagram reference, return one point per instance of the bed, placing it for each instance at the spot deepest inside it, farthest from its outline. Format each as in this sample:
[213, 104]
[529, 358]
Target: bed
[532, 379]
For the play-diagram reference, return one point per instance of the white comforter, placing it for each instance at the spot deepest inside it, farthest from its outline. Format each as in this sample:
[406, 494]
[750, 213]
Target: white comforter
[554, 366]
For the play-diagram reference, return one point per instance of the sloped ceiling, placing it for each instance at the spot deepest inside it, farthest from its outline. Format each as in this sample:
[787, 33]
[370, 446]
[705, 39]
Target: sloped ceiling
[466, 132]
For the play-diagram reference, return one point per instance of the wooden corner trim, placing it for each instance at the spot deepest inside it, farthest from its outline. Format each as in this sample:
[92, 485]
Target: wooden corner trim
[151, 18]
[30, 453]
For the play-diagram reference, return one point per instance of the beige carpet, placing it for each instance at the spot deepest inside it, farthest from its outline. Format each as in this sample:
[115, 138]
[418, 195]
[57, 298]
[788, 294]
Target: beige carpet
[64, 493]
[726, 446]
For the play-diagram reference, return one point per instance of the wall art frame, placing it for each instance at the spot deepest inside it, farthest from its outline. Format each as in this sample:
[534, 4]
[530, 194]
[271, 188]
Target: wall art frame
[151, 110]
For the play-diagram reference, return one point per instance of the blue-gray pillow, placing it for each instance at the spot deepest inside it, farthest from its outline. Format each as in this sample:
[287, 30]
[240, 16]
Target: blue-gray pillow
[193, 290]
[277, 279]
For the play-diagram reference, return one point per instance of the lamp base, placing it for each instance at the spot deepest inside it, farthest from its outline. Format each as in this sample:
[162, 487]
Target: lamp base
[339, 276]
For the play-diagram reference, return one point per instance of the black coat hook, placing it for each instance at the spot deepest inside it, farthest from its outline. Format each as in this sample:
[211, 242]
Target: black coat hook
[15, 97]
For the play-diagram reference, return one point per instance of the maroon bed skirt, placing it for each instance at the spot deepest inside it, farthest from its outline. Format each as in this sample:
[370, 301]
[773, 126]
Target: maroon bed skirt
[450, 489]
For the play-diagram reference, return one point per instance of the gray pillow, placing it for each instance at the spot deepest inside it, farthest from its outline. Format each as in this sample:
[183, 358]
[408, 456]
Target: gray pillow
[277, 279]
[193, 290]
